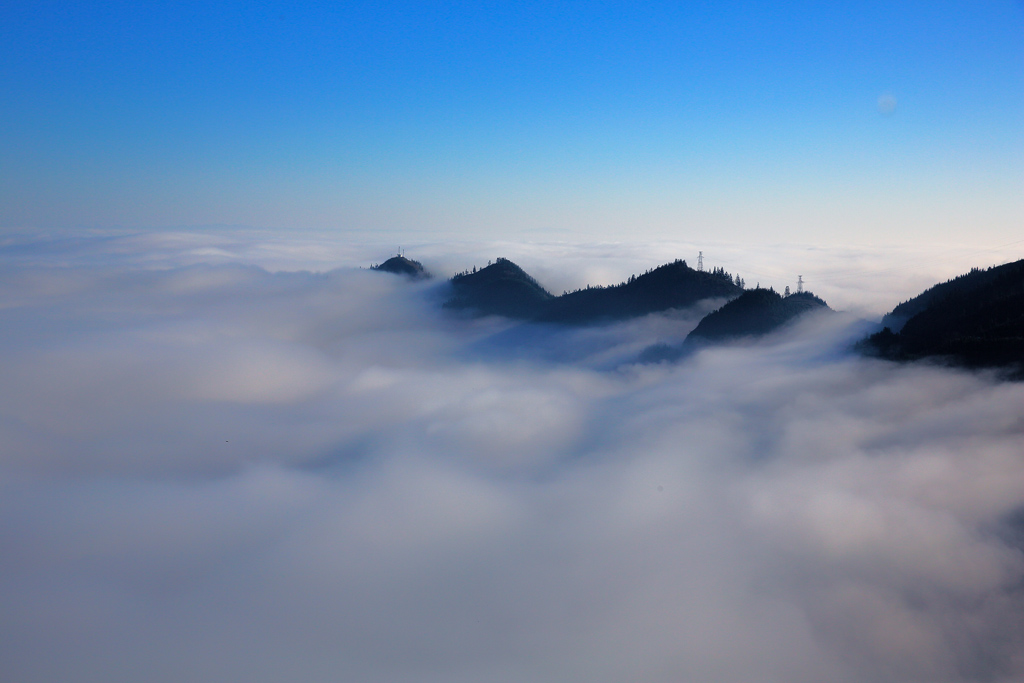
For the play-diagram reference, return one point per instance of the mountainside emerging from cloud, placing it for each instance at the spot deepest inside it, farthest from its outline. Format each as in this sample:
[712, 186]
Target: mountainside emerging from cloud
[673, 285]
[401, 265]
[962, 284]
[753, 313]
[503, 288]
[975, 320]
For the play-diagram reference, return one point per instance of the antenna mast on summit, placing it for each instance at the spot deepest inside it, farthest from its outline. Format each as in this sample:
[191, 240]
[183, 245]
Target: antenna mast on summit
[700, 260]
[800, 284]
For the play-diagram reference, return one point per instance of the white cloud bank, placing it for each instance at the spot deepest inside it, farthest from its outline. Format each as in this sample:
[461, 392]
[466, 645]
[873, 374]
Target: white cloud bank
[218, 473]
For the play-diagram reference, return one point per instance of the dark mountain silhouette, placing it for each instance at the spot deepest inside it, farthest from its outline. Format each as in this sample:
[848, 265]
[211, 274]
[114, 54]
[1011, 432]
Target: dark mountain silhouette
[403, 266]
[502, 288]
[754, 313]
[975, 320]
[673, 285]
[971, 281]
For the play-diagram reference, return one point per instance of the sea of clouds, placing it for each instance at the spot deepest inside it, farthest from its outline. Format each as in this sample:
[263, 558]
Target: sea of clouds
[234, 457]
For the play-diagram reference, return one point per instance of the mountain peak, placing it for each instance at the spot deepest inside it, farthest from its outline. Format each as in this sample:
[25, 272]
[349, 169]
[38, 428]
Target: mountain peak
[504, 288]
[672, 285]
[501, 288]
[401, 265]
[975, 320]
[755, 312]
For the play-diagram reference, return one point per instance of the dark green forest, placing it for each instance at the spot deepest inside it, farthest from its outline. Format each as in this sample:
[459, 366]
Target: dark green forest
[503, 288]
[755, 312]
[975, 320]
[400, 265]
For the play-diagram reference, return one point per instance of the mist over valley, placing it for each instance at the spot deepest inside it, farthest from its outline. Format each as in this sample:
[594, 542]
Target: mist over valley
[216, 470]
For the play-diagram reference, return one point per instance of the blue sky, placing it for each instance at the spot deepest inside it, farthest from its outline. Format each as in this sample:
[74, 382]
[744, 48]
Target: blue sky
[739, 121]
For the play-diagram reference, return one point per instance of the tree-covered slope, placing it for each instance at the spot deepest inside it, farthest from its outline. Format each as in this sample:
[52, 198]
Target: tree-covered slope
[968, 282]
[502, 288]
[673, 285]
[400, 265]
[975, 320]
[755, 312]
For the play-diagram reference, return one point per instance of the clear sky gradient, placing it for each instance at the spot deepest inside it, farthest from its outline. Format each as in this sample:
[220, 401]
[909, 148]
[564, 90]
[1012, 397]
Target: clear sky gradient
[816, 122]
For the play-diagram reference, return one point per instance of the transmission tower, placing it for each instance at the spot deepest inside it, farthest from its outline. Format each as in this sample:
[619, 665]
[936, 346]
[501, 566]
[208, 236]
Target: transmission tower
[800, 283]
[700, 260]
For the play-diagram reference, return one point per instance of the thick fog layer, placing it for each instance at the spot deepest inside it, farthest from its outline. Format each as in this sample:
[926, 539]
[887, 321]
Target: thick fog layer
[214, 472]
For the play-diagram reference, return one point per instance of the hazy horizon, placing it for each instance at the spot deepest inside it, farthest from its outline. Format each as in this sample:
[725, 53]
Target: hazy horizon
[810, 123]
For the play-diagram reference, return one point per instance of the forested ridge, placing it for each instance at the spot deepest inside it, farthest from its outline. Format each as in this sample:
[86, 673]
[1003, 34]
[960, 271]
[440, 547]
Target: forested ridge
[755, 312]
[503, 288]
[976, 320]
